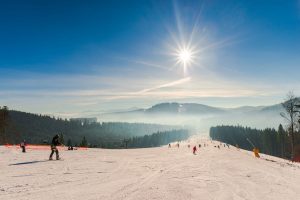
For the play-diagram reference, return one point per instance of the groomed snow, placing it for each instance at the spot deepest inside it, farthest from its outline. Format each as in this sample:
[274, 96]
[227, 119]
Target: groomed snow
[153, 173]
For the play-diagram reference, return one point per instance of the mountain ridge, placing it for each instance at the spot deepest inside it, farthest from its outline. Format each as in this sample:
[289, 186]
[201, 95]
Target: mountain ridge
[197, 108]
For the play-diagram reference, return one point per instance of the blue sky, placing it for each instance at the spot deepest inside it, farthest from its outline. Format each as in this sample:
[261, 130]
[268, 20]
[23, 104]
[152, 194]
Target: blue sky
[69, 57]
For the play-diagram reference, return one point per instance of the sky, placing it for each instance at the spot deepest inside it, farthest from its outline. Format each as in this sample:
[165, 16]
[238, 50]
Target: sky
[68, 58]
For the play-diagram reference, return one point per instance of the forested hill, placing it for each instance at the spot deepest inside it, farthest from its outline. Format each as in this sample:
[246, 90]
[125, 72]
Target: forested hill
[269, 141]
[39, 128]
[158, 139]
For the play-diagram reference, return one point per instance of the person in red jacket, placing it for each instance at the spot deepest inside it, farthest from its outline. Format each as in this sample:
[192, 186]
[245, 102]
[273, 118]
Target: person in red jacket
[194, 149]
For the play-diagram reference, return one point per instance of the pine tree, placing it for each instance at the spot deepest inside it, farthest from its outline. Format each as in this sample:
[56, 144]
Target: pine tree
[69, 143]
[62, 140]
[281, 135]
[4, 114]
[83, 142]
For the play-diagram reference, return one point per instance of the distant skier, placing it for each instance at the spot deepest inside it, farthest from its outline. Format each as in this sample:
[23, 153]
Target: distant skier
[55, 142]
[189, 146]
[70, 148]
[194, 150]
[169, 145]
[23, 146]
[199, 145]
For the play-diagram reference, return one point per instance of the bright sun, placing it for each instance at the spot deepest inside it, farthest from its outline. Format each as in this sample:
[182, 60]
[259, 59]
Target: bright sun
[184, 56]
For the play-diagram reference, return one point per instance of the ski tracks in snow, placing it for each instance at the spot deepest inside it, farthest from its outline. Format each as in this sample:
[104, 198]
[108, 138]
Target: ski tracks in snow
[153, 173]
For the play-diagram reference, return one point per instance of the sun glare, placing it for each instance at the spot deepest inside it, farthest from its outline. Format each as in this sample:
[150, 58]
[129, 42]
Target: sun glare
[184, 56]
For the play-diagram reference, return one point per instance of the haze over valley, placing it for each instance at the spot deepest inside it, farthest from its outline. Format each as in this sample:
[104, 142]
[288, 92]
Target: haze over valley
[200, 116]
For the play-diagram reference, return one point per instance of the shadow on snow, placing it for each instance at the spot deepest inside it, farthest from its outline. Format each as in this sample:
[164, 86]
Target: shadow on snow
[30, 162]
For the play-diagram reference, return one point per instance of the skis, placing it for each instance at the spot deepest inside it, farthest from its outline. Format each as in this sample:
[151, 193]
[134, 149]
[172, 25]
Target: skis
[56, 159]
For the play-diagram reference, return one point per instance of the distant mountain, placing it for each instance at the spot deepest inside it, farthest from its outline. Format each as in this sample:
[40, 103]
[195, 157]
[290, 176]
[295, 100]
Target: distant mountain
[184, 108]
[273, 108]
[201, 116]
[245, 109]
[199, 109]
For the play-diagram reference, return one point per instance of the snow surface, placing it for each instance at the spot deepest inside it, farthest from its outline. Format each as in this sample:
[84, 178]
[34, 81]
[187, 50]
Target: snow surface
[152, 173]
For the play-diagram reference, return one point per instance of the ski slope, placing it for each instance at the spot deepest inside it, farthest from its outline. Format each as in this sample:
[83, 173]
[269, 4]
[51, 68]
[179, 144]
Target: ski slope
[153, 173]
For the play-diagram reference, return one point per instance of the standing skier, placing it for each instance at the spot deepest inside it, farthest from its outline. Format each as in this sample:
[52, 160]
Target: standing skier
[55, 142]
[23, 146]
[194, 150]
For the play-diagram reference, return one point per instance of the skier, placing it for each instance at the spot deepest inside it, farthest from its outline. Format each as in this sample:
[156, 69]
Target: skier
[169, 145]
[23, 146]
[55, 142]
[70, 148]
[194, 150]
[199, 145]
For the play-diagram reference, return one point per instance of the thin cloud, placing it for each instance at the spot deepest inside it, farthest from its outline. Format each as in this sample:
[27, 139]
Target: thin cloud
[152, 65]
[178, 82]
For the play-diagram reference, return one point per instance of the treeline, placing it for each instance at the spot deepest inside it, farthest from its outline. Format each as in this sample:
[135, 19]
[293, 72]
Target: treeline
[38, 129]
[269, 141]
[157, 139]
[3, 122]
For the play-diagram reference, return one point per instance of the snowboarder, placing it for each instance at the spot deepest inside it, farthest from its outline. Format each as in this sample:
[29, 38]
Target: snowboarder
[55, 142]
[194, 150]
[23, 146]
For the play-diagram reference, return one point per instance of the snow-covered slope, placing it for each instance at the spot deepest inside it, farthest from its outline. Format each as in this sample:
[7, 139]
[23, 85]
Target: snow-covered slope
[154, 173]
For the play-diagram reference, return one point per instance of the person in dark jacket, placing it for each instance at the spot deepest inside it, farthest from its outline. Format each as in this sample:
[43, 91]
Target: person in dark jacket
[55, 142]
[23, 146]
[194, 150]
